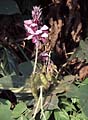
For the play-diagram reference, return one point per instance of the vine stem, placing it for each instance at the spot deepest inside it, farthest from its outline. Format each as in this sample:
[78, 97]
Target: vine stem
[36, 57]
[41, 100]
[40, 105]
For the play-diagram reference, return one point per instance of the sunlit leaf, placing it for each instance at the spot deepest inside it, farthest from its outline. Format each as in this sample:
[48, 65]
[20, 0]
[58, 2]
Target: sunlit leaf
[22, 118]
[44, 81]
[61, 115]
[19, 109]
[47, 115]
[5, 112]
[11, 81]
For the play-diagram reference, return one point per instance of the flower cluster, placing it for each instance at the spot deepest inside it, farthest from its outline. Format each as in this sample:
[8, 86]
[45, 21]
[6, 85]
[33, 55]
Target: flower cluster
[44, 56]
[35, 31]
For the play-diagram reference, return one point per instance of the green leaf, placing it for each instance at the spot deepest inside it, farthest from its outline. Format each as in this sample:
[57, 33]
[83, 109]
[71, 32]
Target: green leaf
[5, 102]
[68, 106]
[9, 63]
[26, 68]
[73, 91]
[52, 102]
[47, 115]
[22, 118]
[83, 98]
[81, 116]
[61, 115]
[19, 109]
[6, 82]
[82, 51]
[5, 112]
[85, 82]
[8, 7]
[12, 81]
[64, 85]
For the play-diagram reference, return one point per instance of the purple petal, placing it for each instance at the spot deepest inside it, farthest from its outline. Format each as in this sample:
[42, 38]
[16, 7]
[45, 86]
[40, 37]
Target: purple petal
[29, 29]
[28, 22]
[44, 27]
[33, 25]
[34, 40]
[44, 56]
[43, 40]
[38, 32]
[44, 35]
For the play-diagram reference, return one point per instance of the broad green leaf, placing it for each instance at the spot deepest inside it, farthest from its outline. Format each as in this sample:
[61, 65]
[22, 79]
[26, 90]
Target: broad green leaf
[68, 106]
[64, 85]
[82, 51]
[22, 118]
[83, 98]
[5, 102]
[81, 116]
[9, 63]
[6, 82]
[47, 115]
[5, 112]
[73, 91]
[19, 109]
[8, 7]
[61, 115]
[85, 81]
[12, 81]
[84, 46]
[26, 68]
[52, 102]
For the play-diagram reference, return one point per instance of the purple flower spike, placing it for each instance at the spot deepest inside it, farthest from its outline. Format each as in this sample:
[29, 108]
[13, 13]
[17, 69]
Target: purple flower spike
[36, 14]
[35, 31]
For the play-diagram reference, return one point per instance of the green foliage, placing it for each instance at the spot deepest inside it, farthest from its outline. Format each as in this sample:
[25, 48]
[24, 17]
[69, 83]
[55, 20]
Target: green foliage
[26, 68]
[64, 99]
[82, 50]
[47, 115]
[9, 63]
[19, 110]
[19, 113]
[61, 115]
[83, 97]
[5, 112]
[8, 7]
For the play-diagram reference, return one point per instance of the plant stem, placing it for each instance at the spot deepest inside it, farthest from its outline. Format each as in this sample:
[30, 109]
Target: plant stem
[36, 56]
[36, 109]
[41, 98]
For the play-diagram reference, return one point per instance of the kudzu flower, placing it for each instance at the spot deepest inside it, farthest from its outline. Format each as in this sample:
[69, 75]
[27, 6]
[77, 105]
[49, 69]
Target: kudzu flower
[35, 31]
[36, 14]
[44, 56]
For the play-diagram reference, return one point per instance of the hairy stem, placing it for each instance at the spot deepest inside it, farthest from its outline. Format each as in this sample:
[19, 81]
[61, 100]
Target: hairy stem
[36, 57]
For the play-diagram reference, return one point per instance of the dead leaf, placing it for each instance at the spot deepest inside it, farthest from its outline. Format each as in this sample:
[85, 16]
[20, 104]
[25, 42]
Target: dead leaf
[83, 72]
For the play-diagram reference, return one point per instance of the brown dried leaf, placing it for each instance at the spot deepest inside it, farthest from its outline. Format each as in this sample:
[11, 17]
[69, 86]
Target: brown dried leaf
[83, 72]
[53, 35]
